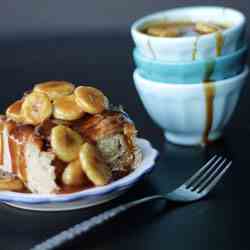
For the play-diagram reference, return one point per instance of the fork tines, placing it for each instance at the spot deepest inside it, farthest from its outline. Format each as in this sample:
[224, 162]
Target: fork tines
[209, 175]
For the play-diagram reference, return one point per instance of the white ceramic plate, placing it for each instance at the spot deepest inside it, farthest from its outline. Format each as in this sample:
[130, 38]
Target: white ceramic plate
[86, 198]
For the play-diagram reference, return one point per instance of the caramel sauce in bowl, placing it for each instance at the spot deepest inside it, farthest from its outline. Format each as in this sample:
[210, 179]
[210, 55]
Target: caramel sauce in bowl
[171, 35]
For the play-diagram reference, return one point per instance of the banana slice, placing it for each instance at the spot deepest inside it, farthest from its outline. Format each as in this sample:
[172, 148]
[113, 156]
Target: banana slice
[73, 174]
[65, 143]
[66, 108]
[36, 108]
[164, 31]
[93, 165]
[14, 111]
[91, 100]
[55, 89]
[204, 28]
[11, 184]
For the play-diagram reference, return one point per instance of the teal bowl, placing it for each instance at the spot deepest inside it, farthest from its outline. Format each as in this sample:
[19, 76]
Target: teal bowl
[192, 72]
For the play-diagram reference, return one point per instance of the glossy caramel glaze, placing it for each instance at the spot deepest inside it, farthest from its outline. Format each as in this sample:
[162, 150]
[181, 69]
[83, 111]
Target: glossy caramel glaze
[64, 189]
[209, 97]
[98, 126]
[209, 91]
[18, 137]
[60, 166]
[91, 128]
[15, 107]
[219, 42]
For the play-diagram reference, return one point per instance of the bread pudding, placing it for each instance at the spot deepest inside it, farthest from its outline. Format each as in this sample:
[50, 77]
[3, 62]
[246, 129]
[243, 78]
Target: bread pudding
[59, 138]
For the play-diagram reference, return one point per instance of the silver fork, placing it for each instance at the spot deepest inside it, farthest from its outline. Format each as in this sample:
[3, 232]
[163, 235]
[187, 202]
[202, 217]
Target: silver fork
[195, 188]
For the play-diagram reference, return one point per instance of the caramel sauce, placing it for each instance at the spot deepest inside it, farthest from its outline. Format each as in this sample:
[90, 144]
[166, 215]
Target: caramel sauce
[209, 97]
[18, 159]
[71, 189]
[219, 45]
[219, 42]
[60, 166]
[18, 138]
[25, 190]
[209, 88]
[16, 107]
[182, 28]
[13, 154]
[209, 91]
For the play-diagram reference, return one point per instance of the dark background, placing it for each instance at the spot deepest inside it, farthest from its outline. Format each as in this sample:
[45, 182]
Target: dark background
[63, 16]
[89, 42]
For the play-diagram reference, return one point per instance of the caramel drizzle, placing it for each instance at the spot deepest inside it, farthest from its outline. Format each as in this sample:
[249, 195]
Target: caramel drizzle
[18, 159]
[209, 88]
[209, 91]
[70, 189]
[219, 42]
[209, 97]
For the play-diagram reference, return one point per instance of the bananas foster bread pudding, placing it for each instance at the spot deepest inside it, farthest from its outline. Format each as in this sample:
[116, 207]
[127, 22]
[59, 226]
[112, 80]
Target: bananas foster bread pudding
[59, 138]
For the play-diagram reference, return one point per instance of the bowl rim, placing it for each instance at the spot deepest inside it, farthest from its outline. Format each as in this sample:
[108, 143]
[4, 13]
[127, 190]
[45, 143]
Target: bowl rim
[219, 59]
[144, 167]
[153, 16]
[190, 86]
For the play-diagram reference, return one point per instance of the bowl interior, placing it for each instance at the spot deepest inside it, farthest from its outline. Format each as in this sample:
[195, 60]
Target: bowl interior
[220, 15]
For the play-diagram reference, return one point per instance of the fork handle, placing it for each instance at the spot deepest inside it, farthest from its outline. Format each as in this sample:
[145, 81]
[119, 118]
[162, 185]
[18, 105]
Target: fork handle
[87, 225]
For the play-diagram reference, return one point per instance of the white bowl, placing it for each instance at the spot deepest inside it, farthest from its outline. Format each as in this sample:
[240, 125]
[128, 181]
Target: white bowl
[180, 109]
[86, 198]
[181, 49]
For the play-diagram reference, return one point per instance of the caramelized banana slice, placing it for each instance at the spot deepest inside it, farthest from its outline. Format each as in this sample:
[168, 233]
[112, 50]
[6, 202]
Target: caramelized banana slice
[36, 108]
[93, 165]
[90, 99]
[204, 28]
[164, 32]
[11, 184]
[14, 113]
[55, 89]
[65, 143]
[73, 174]
[66, 108]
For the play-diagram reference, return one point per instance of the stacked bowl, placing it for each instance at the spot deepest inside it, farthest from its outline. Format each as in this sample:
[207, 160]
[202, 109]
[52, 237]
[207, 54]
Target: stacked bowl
[190, 70]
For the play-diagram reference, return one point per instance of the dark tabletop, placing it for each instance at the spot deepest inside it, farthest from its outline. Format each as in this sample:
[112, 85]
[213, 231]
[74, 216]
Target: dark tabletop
[218, 222]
